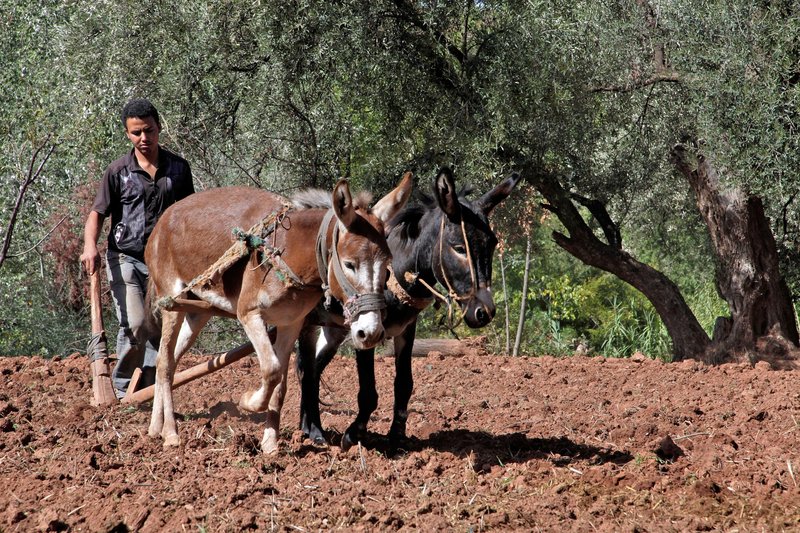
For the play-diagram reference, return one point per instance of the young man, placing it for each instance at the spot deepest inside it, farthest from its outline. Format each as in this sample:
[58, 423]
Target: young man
[134, 192]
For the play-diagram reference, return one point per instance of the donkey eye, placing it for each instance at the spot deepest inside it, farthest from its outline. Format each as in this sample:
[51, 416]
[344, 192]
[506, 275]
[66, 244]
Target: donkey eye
[460, 249]
[349, 265]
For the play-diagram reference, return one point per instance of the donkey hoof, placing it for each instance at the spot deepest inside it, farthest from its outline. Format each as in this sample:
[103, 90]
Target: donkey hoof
[313, 432]
[172, 441]
[316, 436]
[347, 442]
[352, 436]
[397, 441]
[269, 447]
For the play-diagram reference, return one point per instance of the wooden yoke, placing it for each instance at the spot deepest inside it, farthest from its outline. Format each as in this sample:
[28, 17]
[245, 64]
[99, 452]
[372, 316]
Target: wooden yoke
[102, 389]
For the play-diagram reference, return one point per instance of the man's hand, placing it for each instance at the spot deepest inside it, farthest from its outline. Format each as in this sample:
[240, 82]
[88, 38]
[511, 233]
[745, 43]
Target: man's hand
[90, 258]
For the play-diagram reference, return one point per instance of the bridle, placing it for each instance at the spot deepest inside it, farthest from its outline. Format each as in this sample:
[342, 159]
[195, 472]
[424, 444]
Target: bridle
[356, 303]
[452, 295]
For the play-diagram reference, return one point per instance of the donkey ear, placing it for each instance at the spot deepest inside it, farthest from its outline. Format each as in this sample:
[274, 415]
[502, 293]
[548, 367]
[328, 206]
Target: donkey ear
[391, 204]
[488, 201]
[445, 190]
[343, 203]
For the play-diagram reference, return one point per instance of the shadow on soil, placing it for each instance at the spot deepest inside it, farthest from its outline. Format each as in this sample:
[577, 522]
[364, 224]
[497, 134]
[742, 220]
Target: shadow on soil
[484, 448]
[488, 449]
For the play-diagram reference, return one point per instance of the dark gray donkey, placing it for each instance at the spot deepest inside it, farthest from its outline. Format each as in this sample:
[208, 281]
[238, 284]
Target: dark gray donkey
[445, 240]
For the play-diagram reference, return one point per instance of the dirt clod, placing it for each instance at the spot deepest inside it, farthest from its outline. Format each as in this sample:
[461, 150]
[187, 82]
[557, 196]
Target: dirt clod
[667, 450]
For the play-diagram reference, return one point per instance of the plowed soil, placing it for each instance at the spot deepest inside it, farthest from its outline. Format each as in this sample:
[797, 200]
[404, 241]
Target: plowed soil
[496, 444]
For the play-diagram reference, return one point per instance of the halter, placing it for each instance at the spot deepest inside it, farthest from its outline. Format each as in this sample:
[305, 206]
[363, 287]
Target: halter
[356, 303]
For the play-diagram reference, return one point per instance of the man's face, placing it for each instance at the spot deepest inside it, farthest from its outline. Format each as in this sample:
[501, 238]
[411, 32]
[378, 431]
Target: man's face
[143, 133]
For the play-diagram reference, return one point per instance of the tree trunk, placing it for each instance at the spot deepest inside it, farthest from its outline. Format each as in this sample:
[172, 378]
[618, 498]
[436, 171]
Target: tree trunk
[748, 275]
[524, 299]
[470, 346]
[505, 301]
[689, 340]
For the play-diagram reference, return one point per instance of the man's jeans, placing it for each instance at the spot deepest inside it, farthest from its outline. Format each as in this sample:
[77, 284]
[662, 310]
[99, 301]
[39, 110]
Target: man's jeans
[127, 278]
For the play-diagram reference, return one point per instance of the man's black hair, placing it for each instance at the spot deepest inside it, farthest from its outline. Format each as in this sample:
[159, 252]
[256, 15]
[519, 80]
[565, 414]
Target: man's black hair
[139, 108]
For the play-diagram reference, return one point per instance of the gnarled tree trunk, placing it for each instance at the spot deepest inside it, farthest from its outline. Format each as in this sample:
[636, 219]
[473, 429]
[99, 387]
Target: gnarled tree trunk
[748, 276]
[689, 340]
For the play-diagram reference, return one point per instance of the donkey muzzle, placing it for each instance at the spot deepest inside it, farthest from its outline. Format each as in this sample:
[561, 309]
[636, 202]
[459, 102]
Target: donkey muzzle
[364, 314]
[480, 309]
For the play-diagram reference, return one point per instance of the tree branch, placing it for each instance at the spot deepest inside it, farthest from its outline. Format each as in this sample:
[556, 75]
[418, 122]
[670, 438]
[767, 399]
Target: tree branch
[29, 179]
[663, 73]
[411, 15]
[40, 241]
[600, 213]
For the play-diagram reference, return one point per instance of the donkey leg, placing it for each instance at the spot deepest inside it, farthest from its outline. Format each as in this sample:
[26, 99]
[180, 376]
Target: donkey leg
[310, 423]
[284, 343]
[175, 347]
[367, 398]
[403, 384]
[270, 366]
[165, 369]
[274, 363]
[313, 355]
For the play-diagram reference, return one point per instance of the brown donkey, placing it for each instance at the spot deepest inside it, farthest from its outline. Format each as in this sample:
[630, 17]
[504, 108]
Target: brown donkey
[277, 283]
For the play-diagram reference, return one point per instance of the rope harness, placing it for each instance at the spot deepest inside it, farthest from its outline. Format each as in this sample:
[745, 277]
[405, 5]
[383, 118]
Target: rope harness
[255, 239]
[356, 303]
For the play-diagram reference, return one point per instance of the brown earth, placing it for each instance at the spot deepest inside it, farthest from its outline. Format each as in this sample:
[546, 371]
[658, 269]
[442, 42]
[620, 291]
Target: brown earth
[497, 443]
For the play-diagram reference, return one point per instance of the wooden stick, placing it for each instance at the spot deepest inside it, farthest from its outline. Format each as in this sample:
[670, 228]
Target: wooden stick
[102, 388]
[134, 382]
[194, 306]
[194, 372]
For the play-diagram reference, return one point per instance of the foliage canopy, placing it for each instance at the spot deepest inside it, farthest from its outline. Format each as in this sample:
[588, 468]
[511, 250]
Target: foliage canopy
[289, 94]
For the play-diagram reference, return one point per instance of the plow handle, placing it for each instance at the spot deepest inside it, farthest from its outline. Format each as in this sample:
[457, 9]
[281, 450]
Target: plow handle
[102, 388]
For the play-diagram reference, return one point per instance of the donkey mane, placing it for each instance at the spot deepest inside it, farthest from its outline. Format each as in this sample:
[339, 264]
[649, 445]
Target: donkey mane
[321, 199]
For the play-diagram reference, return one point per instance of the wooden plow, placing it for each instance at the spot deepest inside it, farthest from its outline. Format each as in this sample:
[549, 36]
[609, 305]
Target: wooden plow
[191, 374]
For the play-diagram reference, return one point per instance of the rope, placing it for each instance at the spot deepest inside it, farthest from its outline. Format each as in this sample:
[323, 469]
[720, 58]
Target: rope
[246, 243]
[452, 295]
[322, 256]
[355, 305]
[96, 348]
[446, 299]
[394, 285]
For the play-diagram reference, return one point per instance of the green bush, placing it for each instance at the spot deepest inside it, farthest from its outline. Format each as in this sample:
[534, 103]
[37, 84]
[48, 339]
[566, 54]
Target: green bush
[30, 321]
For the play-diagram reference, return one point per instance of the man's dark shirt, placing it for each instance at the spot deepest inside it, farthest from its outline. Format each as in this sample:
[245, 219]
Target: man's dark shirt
[135, 201]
